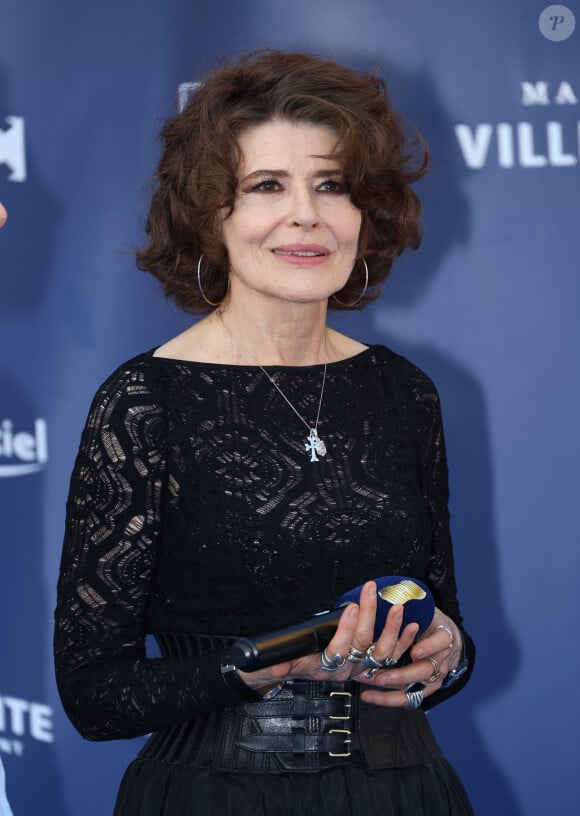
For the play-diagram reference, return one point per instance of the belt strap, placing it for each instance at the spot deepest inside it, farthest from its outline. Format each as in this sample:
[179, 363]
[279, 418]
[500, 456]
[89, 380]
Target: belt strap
[297, 705]
[336, 743]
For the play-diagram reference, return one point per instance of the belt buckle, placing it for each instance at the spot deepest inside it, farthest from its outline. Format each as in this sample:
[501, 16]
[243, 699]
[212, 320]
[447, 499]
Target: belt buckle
[347, 705]
[347, 741]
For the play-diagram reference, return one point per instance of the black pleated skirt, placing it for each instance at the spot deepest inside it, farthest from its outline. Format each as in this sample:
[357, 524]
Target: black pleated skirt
[154, 788]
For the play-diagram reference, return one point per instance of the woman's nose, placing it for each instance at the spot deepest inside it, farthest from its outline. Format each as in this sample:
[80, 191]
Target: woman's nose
[303, 211]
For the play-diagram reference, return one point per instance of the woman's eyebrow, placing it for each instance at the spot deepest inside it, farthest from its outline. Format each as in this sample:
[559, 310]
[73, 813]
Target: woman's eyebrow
[284, 173]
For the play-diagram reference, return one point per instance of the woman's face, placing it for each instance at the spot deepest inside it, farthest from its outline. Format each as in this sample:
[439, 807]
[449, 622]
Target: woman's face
[293, 233]
[3, 215]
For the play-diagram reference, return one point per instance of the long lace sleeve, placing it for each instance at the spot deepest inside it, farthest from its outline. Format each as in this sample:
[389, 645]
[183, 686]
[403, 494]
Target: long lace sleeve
[435, 485]
[108, 686]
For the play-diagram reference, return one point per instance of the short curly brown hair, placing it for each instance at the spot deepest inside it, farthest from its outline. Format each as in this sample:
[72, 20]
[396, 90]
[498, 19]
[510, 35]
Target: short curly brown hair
[197, 173]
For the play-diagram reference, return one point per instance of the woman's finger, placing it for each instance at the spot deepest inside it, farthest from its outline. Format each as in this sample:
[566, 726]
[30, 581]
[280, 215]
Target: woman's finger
[442, 638]
[417, 686]
[334, 655]
[353, 636]
[430, 671]
[392, 643]
[363, 634]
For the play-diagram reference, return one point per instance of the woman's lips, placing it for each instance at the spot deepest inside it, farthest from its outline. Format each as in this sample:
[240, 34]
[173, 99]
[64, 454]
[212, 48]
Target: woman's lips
[302, 254]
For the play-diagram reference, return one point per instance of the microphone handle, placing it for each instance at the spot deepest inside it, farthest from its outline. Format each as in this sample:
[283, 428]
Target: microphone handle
[313, 635]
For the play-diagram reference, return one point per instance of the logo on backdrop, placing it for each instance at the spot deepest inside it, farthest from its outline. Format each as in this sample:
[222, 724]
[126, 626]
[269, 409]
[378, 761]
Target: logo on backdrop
[550, 144]
[557, 23]
[22, 451]
[12, 148]
[22, 720]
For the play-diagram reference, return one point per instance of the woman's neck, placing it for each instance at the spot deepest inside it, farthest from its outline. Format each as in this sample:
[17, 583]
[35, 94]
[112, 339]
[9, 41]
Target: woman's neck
[293, 335]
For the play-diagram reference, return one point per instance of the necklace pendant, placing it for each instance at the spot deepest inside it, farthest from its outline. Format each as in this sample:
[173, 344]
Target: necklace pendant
[315, 445]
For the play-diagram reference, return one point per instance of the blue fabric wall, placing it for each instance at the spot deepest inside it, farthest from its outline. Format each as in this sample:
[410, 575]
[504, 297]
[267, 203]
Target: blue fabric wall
[487, 307]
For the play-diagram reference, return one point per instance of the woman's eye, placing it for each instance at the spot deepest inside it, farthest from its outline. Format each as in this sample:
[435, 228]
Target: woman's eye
[266, 186]
[332, 186]
[273, 185]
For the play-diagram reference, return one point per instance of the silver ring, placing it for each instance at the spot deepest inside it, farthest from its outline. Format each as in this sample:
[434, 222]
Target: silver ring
[371, 662]
[330, 664]
[448, 630]
[355, 655]
[274, 692]
[414, 699]
[381, 664]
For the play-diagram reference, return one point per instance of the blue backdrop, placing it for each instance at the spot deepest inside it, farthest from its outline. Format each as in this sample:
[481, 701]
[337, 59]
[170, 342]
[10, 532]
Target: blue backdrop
[487, 307]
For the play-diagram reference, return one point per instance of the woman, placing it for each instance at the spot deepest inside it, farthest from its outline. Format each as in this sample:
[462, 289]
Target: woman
[246, 473]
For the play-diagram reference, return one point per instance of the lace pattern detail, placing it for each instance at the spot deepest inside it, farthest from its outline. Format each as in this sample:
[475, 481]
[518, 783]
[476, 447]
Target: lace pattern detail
[193, 507]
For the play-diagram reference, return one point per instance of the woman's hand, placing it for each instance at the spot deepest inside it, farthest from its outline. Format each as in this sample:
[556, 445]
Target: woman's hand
[354, 632]
[433, 655]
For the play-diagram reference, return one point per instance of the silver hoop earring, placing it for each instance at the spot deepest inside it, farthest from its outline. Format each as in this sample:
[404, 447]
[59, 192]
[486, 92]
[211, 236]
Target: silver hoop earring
[362, 294]
[207, 300]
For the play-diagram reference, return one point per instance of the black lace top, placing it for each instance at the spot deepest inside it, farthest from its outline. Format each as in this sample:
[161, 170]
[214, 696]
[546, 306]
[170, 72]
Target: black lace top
[194, 508]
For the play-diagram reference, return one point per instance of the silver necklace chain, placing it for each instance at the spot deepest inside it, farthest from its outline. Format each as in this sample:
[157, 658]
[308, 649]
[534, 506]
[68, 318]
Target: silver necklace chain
[314, 444]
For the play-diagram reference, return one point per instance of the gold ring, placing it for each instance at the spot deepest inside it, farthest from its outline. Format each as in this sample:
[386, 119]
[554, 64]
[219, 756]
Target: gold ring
[436, 672]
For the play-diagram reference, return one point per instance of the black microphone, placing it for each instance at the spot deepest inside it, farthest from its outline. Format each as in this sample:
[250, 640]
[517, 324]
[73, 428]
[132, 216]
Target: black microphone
[315, 633]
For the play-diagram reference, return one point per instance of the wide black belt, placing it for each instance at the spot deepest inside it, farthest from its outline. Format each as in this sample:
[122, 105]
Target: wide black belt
[308, 727]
